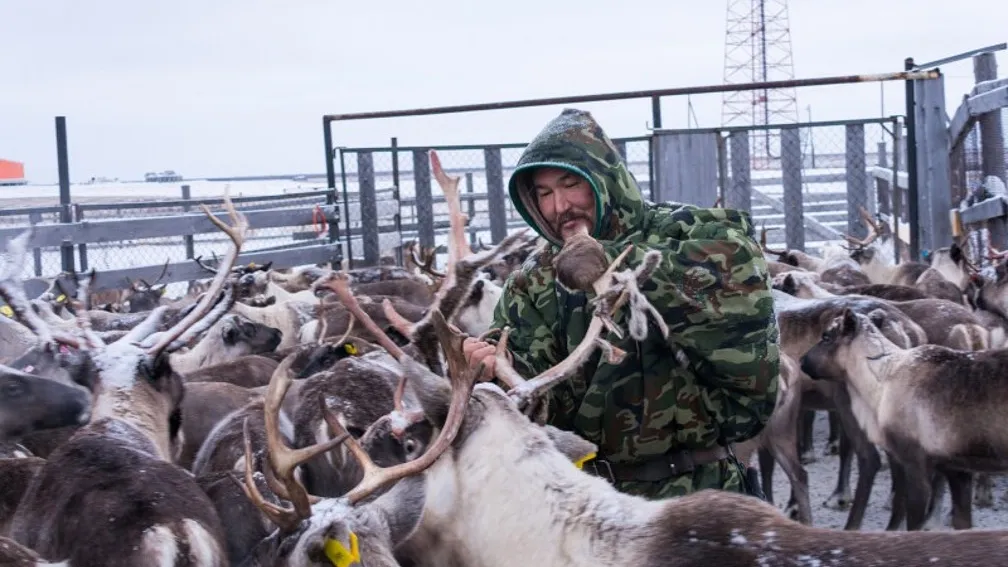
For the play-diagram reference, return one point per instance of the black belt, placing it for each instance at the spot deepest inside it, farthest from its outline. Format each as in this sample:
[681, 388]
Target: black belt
[656, 469]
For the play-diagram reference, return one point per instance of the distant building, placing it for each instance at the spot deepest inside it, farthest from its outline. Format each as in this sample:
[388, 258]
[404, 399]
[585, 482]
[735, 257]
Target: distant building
[162, 177]
[12, 173]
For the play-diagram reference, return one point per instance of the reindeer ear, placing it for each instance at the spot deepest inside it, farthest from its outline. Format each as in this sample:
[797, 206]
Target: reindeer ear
[573, 446]
[230, 335]
[877, 317]
[849, 323]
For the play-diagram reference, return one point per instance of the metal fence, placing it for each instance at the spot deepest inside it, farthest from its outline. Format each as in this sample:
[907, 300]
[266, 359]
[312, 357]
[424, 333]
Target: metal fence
[811, 188]
[123, 241]
[977, 161]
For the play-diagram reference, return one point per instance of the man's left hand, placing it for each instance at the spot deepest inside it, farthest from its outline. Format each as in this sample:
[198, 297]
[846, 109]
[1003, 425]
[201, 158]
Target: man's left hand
[581, 262]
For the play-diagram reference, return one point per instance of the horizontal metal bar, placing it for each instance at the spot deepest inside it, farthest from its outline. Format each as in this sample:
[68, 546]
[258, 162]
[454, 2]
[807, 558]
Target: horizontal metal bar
[469, 147]
[760, 127]
[971, 109]
[116, 230]
[992, 208]
[30, 210]
[207, 201]
[189, 270]
[719, 88]
[961, 56]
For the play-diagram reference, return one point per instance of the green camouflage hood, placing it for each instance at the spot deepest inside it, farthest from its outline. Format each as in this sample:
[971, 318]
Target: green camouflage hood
[574, 141]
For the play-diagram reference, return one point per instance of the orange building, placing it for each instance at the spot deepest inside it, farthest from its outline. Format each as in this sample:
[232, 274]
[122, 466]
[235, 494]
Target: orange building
[11, 172]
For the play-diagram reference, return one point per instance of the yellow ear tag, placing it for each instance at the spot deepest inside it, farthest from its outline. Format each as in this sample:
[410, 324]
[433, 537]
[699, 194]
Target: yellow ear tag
[252, 265]
[350, 349]
[580, 462]
[7, 311]
[163, 290]
[339, 555]
[61, 298]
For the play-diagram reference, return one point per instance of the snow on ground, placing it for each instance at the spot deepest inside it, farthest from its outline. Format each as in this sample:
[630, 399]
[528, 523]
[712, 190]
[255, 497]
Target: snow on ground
[822, 480]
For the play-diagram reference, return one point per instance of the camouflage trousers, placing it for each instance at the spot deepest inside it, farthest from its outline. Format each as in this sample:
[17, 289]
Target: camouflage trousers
[721, 475]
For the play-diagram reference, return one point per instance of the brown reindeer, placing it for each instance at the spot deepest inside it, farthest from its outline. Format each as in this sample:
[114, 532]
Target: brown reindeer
[929, 406]
[119, 466]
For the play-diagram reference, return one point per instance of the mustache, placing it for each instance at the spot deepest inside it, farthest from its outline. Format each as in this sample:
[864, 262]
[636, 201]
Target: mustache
[568, 216]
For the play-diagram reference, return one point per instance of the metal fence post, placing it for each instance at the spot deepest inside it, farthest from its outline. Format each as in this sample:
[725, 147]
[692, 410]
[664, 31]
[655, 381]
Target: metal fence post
[991, 129]
[883, 191]
[190, 245]
[913, 214]
[934, 182]
[739, 194]
[424, 200]
[81, 248]
[368, 208]
[33, 219]
[496, 200]
[470, 208]
[397, 197]
[791, 168]
[856, 179]
[63, 164]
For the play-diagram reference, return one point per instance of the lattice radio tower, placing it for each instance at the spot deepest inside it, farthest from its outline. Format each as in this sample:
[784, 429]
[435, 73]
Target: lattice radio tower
[758, 49]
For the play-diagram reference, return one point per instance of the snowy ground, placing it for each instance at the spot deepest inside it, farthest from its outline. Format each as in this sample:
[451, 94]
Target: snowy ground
[822, 481]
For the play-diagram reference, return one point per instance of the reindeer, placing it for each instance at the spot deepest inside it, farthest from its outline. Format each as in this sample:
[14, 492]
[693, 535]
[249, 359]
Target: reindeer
[232, 337]
[120, 464]
[874, 254]
[931, 407]
[505, 486]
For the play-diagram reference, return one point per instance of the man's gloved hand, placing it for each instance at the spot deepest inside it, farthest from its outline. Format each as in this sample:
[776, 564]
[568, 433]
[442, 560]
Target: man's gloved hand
[580, 262]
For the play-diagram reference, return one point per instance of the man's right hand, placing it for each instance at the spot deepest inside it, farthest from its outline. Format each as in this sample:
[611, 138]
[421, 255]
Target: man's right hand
[477, 351]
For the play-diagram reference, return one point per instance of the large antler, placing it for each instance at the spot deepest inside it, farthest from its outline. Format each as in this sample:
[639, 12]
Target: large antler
[375, 477]
[12, 291]
[458, 247]
[282, 460]
[237, 234]
[613, 290]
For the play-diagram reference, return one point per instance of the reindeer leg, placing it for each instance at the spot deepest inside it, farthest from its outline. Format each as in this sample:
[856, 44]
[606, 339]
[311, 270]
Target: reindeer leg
[960, 488]
[868, 460]
[785, 453]
[898, 514]
[833, 444]
[917, 474]
[766, 467]
[806, 430]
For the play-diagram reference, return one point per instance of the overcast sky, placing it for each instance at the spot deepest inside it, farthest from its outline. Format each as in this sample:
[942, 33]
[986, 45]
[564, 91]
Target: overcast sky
[228, 87]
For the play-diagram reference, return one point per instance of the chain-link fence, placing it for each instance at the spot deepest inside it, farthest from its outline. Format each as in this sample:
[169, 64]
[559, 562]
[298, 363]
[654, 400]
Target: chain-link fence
[391, 197]
[120, 251]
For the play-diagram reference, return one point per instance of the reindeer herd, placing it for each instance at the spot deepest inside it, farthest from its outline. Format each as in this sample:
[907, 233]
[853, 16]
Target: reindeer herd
[316, 417]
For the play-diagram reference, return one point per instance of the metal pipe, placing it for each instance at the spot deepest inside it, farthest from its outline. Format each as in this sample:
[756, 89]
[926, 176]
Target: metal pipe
[63, 166]
[395, 195]
[330, 178]
[962, 56]
[676, 91]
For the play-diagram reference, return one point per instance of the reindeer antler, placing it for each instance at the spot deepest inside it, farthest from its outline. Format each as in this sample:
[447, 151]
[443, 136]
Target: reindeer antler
[237, 234]
[12, 291]
[282, 460]
[763, 243]
[612, 291]
[874, 230]
[458, 247]
[376, 477]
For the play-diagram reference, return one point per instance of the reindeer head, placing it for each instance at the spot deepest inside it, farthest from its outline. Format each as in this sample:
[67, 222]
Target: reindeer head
[476, 313]
[29, 403]
[799, 284]
[240, 336]
[848, 339]
[953, 263]
[142, 296]
[991, 292]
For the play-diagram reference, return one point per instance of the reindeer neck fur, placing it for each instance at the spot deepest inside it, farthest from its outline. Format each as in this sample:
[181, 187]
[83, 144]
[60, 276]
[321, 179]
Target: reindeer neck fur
[869, 375]
[122, 396]
[881, 269]
[507, 484]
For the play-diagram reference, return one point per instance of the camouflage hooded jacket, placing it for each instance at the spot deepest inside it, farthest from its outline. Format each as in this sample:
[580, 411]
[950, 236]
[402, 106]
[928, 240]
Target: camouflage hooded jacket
[714, 379]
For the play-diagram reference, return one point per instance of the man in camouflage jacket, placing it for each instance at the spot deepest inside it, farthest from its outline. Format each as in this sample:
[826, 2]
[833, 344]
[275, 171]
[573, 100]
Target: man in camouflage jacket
[662, 417]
